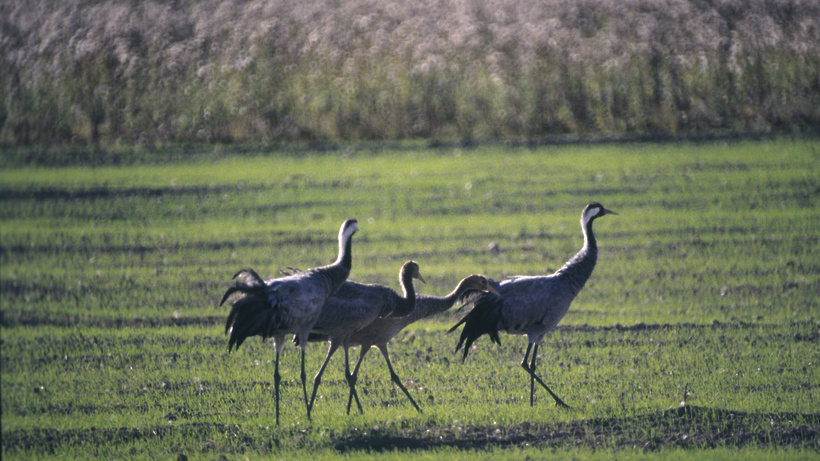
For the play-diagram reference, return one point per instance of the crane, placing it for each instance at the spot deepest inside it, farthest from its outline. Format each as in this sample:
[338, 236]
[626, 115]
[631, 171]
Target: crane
[356, 305]
[533, 305]
[284, 305]
[383, 329]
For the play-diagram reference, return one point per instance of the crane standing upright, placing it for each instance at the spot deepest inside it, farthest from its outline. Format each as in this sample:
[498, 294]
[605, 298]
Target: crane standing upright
[533, 305]
[290, 304]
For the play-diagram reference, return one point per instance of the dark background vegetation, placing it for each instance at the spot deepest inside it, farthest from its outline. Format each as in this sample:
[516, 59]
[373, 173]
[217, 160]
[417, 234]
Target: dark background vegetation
[158, 72]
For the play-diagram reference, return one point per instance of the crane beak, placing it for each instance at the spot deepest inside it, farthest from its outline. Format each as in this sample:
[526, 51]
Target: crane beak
[492, 290]
[610, 212]
[420, 278]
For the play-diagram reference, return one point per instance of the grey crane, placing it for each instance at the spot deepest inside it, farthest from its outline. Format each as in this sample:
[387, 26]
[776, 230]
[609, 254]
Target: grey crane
[383, 329]
[290, 304]
[533, 305]
[356, 305]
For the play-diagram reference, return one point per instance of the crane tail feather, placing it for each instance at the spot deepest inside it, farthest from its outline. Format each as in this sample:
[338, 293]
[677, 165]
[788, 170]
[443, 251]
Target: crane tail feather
[482, 319]
[248, 282]
[251, 314]
[228, 294]
[255, 279]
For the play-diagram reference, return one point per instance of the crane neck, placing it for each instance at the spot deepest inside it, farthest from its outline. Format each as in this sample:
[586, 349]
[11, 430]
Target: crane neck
[338, 271]
[407, 287]
[427, 305]
[408, 301]
[345, 258]
[589, 236]
[579, 268]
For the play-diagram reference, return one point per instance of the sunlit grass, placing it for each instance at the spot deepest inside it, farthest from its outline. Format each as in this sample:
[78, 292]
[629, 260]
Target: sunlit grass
[705, 290]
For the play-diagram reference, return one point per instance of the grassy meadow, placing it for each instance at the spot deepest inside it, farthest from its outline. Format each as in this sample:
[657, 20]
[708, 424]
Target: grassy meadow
[706, 292]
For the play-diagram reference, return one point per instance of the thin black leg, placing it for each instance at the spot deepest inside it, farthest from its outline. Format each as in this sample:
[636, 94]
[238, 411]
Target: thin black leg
[277, 378]
[533, 376]
[395, 377]
[318, 378]
[351, 383]
[303, 375]
[353, 378]
[532, 380]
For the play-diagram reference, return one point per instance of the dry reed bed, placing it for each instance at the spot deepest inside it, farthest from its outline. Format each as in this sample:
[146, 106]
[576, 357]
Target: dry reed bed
[364, 69]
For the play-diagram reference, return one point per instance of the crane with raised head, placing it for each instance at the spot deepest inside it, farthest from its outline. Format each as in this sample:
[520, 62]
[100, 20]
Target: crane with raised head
[532, 305]
[286, 305]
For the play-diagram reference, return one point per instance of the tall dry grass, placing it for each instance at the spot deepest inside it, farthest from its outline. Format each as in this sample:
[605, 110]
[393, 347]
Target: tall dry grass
[79, 71]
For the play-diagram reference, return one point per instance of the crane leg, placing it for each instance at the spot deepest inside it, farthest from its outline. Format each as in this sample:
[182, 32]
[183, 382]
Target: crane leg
[533, 376]
[318, 378]
[303, 375]
[531, 370]
[351, 381]
[532, 380]
[395, 377]
[277, 378]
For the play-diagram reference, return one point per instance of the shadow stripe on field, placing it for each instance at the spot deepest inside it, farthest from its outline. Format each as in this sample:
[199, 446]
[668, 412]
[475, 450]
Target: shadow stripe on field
[686, 426]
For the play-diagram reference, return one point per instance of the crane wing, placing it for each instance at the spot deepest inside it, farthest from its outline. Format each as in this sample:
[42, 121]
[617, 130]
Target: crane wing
[533, 303]
[354, 305]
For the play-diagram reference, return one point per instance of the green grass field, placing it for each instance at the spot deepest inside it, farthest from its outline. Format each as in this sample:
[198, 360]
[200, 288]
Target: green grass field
[706, 290]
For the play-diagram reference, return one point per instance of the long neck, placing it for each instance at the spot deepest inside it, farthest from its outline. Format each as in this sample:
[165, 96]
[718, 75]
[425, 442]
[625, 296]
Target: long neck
[408, 302]
[427, 305]
[345, 258]
[579, 268]
[339, 270]
[589, 236]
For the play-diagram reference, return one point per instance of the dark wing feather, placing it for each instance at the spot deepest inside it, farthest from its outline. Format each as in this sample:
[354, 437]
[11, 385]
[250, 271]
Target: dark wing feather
[230, 291]
[470, 297]
[247, 282]
[250, 315]
[483, 319]
[255, 279]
